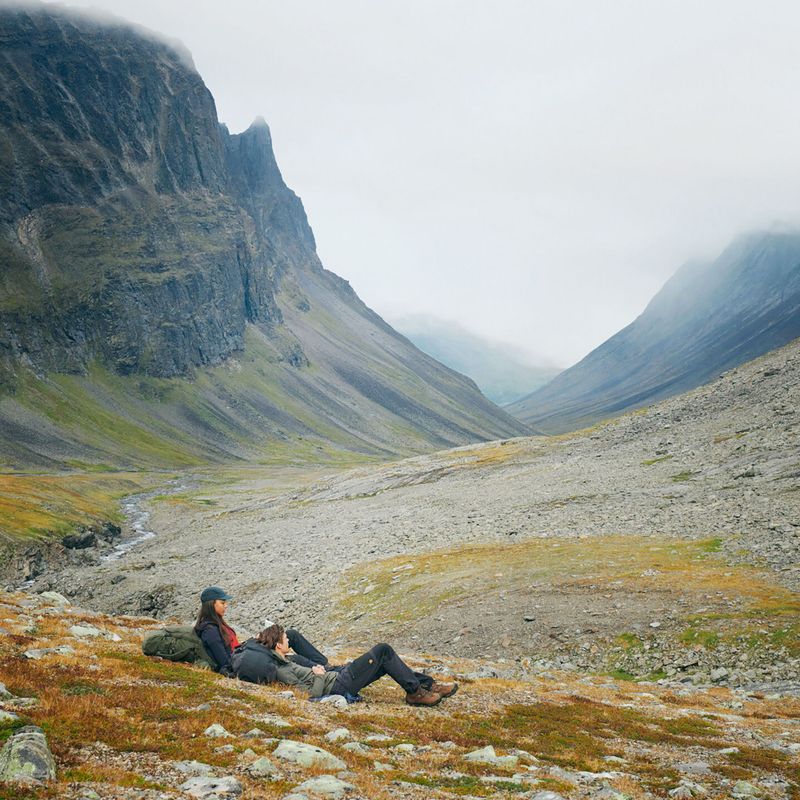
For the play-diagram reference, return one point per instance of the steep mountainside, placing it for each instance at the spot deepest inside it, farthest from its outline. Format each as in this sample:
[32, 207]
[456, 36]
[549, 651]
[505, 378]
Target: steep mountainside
[707, 319]
[503, 373]
[161, 300]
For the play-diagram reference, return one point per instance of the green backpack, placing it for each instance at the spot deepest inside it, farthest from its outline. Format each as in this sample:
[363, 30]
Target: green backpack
[177, 643]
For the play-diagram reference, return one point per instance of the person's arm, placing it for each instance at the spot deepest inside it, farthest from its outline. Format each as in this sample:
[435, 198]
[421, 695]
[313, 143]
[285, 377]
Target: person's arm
[215, 647]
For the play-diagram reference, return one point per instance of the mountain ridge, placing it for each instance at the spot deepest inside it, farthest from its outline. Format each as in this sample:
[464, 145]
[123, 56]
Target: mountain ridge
[144, 242]
[708, 317]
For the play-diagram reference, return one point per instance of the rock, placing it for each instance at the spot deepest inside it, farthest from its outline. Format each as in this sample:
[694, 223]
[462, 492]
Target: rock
[274, 720]
[307, 755]
[80, 540]
[8, 716]
[335, 700]
[194, 768]
[85, 631]
[338, 735]
[744, 789]
[379, 766]
[262, 768]
[212, 788]
[377, 737]
[694, 767]
[356, 747]
[718, 675]
[562, 775]
[225, 748]
[289, 695]
[295, 796]
[547, 796]
[54, 598]
[681, 792]
[404, 747]
[487, 755]
[216, 731]
[62, 650]
[26, 756]
[327, 786]
[607, 793]
[4, 693]
[727, 751]
[253, 733]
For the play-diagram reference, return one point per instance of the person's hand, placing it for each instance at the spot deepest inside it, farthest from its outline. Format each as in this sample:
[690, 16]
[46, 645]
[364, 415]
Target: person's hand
[318, 670]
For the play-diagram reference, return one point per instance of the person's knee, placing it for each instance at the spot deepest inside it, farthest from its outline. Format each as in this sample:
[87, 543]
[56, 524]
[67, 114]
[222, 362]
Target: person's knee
[383, 650]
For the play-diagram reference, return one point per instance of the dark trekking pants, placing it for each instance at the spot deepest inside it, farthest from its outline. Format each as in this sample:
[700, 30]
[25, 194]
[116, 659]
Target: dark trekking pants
[375, 663]
[305, 653]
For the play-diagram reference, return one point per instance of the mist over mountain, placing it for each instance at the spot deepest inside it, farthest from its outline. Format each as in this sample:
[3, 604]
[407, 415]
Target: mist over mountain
[161, 299]
[707, 318]
[504, 373]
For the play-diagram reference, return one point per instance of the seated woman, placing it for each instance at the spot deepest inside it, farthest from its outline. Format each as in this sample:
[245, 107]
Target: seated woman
[219, 639]
[353, 677]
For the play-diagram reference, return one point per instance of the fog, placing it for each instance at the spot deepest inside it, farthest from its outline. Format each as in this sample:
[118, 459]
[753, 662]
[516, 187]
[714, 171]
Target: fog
[533, 170]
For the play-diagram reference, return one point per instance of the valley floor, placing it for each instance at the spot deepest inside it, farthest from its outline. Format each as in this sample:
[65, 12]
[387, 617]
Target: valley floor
[664, 544]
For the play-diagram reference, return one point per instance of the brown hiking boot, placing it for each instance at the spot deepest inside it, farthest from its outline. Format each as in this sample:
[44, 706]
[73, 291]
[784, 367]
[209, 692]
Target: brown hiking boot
[422, 697]
[444, 689]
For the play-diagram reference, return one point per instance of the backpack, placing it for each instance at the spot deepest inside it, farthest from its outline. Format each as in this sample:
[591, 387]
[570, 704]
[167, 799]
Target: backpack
[177, 643]
[254, 663]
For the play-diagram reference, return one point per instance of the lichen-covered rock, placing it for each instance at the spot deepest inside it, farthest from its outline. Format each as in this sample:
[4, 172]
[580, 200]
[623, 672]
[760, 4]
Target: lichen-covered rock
[307, 755]
[216, 731]
[27, 757]
[487, 755]
[327, 786]
[212, 788]
[262, 768]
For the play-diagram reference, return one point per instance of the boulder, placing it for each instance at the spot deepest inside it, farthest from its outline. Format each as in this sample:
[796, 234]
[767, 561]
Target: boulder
[4, 693]
[307, 755]
[194, 768]
[262, 768]
[62, 650]
[337, 735]
[487, 755]
[212, 788]
[216, 731]
[54, 598]
[26, 757]
[327, 786]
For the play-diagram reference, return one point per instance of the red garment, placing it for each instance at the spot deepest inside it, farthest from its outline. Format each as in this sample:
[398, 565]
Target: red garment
[233, 642]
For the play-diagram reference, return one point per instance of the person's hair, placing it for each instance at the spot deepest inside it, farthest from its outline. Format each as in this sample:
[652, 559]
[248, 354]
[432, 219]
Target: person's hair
[208, 612]
[271, 636]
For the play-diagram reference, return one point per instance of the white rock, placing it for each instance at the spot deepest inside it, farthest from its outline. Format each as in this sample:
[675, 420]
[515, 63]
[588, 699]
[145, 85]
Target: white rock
[4, 693]
[405, 747]
[327, 786]
[8, 716]
[262, 768]
[378, 737]
[379, 766]
[307, 755]
[487, 755]
[85, 631]
[335, 700]
[54, 598]
[62, 650]
[547, 796]
[274, 720]
[216, 731]
[212, 788]
[289, 695]
[253, 733]
[338, 735]
[744, 789]
[356, 747]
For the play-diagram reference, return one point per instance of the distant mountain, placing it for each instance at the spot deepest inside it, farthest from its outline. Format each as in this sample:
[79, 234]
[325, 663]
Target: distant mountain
[161, 299]
[708, 318]
[503, 373]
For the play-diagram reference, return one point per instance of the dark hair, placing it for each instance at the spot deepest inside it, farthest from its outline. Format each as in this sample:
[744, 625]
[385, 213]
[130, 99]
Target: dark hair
[271, 636]
[208, 612]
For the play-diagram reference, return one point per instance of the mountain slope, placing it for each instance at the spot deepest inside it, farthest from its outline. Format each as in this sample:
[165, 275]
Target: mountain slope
[707, 318]
[503, 373]
[161, 300]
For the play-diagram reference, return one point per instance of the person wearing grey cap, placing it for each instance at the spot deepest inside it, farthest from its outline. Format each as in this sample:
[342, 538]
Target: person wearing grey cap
[219, 638]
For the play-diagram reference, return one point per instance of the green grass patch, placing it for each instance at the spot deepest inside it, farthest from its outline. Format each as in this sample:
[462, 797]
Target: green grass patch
[680, 477]
[650, 461]
[704, 638]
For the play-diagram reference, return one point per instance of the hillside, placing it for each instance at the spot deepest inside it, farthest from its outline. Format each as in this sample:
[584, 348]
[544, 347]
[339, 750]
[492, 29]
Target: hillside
[121, 725]
[503, 373]
[708, 318]
[161, 300]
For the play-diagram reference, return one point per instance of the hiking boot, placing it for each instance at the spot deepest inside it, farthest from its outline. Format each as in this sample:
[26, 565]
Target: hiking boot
[422, 697]
[444, 689]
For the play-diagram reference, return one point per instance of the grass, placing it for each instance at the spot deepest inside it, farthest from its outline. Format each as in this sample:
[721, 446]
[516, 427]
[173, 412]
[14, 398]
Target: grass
[681, 477]
[109, 700]
[38, 506]
[429, 582]
[650, 461]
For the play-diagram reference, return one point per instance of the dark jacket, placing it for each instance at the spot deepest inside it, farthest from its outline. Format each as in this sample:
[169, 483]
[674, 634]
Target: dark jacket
[254, 663]
[215, 645]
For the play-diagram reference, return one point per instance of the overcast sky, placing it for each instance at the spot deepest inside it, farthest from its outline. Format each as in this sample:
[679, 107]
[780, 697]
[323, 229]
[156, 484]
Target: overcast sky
[533, 170]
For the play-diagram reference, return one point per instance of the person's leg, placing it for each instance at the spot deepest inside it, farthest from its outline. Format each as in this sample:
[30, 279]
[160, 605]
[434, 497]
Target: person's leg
[304, 648]
[375, 663]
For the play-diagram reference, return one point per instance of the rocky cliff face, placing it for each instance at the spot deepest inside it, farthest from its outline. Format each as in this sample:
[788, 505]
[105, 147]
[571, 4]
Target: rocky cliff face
[707, 319]
[140, 237]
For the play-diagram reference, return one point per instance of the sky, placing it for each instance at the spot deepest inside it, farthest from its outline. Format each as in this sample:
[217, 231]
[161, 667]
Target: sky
[534, 171]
